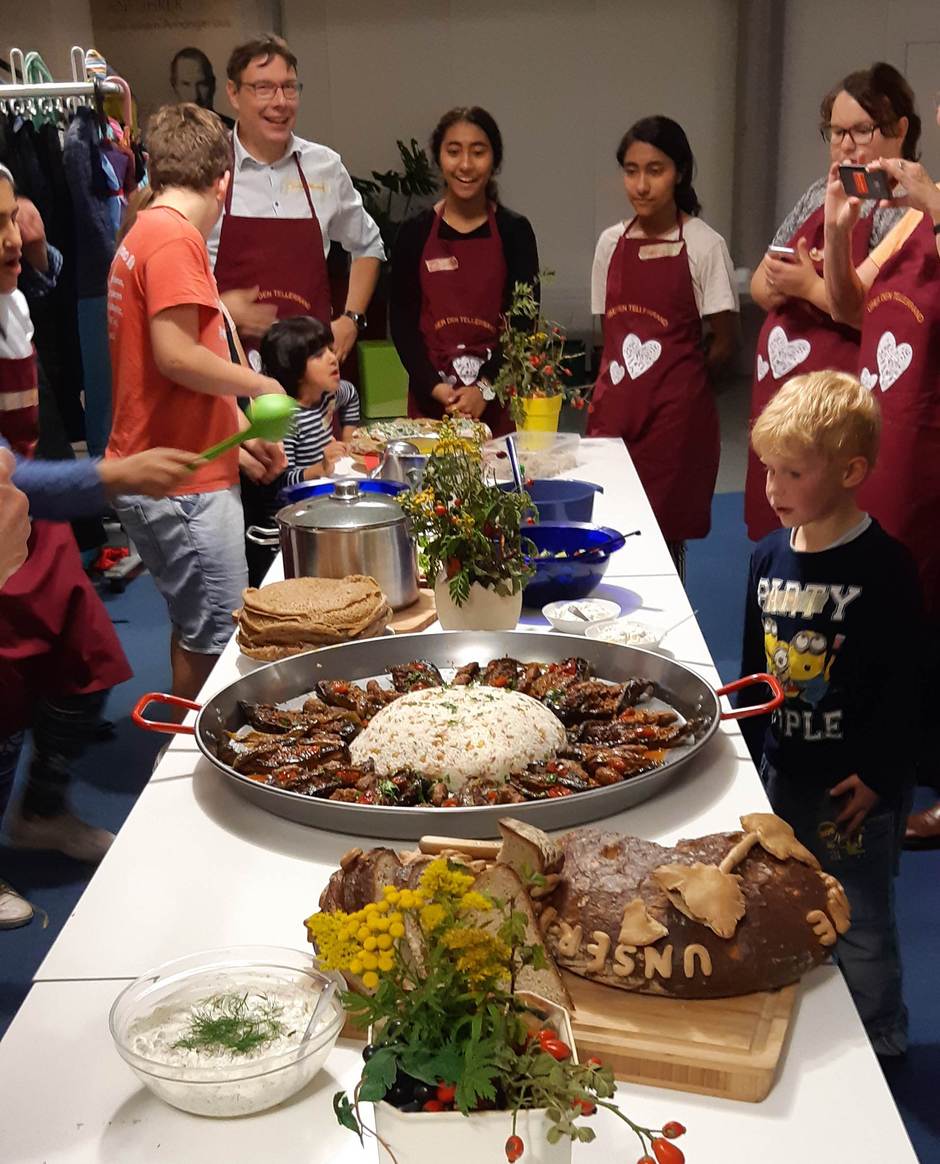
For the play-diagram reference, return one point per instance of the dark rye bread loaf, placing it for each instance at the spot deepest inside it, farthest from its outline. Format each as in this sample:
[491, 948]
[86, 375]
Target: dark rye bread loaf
[612, 919]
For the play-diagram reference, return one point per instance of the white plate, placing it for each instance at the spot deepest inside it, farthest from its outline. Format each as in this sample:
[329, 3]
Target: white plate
[598, 610]
[628, 632]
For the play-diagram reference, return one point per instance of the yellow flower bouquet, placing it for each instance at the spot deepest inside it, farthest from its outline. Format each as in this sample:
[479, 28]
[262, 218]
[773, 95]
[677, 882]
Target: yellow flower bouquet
[436, 967]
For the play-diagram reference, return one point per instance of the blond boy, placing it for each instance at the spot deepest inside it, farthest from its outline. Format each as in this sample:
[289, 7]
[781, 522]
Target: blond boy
[833, 610]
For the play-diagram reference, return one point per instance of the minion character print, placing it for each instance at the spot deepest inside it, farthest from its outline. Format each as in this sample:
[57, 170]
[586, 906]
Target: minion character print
[810, 663]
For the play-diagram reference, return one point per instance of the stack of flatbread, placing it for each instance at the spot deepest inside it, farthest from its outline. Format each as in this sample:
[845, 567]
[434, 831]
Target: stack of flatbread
[299, 614]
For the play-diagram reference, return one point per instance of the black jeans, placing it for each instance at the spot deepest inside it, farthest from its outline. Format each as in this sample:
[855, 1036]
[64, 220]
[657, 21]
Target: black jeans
[61, 729]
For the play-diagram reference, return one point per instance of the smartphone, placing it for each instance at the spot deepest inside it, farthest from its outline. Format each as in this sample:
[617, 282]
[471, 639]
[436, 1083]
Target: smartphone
[859, 182]
[782, 252]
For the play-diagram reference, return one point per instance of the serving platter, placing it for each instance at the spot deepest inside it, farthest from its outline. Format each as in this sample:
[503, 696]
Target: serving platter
[290, 681]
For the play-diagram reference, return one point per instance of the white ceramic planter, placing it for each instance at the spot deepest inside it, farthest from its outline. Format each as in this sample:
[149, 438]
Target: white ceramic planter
[423, 1137]
[484, 609]
[427, 1136]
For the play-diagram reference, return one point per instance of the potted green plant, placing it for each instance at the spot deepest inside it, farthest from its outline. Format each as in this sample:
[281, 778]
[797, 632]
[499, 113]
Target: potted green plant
[533, 380]
[469, 535]
[388, 194]
[450, 1039]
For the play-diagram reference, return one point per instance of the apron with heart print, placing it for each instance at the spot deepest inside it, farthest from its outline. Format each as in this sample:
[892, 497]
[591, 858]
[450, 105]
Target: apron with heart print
[463, 287]
[899, 360]
[796, 338]
[653, 389]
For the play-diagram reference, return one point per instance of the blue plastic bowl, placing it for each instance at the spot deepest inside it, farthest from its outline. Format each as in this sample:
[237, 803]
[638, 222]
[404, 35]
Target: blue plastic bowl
[558, 500]
[571, 577]
[305, 489]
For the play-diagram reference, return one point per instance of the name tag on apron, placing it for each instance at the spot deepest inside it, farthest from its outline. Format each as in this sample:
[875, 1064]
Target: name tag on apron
[293, 185]
[446, 263]
[662, 250]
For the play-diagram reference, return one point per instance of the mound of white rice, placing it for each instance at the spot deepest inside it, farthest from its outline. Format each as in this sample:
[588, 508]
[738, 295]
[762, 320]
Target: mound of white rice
[457, 733]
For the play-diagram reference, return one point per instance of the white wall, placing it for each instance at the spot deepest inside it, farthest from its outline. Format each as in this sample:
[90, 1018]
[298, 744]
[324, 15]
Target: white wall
[49, 27]
[564, 79]
[824, 42]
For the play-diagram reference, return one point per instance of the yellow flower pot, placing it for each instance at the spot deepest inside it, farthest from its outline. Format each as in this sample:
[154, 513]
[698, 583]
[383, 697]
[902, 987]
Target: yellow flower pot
[540, 413]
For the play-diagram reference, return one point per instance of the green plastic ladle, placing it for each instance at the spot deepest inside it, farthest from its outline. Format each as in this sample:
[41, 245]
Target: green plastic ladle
[271, 417]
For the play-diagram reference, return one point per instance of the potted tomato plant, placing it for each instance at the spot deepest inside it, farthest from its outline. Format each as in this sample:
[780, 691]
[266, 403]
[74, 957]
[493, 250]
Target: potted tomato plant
[469, 535]
[456, 1056]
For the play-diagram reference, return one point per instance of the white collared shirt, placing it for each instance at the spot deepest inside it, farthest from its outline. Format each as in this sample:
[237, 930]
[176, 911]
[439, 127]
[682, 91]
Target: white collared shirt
[275, 191]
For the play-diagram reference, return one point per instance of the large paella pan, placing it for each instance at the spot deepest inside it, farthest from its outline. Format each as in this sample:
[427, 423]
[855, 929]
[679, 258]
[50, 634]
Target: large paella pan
[663, 692]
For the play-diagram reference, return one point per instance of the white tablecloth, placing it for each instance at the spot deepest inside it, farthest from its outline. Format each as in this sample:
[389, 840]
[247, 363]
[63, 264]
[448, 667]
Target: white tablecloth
[196, 866]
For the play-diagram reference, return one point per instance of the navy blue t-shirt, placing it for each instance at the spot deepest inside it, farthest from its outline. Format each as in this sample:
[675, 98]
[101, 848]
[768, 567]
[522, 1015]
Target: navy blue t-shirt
[839, 628]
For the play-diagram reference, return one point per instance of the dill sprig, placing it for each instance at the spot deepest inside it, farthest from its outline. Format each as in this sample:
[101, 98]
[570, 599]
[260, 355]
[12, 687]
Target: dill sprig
[228, 1022]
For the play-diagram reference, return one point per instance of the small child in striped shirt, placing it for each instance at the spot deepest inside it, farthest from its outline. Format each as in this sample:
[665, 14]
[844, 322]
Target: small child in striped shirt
[298, 353]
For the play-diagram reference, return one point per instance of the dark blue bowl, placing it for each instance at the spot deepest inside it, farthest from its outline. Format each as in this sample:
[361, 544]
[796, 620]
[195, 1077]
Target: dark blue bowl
[559, 500]
[573, 576]
[304, 489]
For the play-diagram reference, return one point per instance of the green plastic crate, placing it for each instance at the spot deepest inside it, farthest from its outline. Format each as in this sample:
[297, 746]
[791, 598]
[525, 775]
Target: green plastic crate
[383, 381]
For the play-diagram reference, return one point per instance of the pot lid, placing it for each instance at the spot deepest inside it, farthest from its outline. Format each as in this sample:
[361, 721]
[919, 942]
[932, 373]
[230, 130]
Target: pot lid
[346, 507]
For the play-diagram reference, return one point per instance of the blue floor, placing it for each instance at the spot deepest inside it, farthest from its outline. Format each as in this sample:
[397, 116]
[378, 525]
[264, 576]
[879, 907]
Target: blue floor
[112, 774]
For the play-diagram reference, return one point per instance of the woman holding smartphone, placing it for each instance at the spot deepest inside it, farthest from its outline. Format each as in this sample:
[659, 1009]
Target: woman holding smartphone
[453, 270]
[894, 298]
[656, 277]
[869, 114]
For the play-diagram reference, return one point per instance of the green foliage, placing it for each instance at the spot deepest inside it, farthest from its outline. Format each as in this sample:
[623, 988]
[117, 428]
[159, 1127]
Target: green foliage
[534, 355]
[467, 529]
[387, 196]
[228, 1022]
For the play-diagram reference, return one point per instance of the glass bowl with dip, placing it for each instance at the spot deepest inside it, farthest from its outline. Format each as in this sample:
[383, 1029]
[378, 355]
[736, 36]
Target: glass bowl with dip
[228, 1032]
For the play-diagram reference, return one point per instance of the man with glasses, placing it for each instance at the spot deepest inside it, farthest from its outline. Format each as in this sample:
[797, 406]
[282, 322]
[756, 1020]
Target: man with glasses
[287, 200]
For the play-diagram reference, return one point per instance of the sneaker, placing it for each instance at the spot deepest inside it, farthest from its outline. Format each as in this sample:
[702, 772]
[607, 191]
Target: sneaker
[65, 833]
[14, 909]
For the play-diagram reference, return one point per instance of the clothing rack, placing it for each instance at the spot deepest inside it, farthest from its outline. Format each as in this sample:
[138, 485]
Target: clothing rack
[80, 86]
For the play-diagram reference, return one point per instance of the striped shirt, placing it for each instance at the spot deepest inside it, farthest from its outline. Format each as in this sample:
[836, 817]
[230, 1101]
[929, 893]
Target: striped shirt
[313, 430]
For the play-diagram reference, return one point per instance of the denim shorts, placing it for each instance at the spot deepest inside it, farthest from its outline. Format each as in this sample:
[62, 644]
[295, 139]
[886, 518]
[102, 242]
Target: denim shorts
[194, 546]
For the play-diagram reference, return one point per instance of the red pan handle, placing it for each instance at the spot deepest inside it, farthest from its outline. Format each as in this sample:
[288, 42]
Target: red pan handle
[758, 709]
[155, 725]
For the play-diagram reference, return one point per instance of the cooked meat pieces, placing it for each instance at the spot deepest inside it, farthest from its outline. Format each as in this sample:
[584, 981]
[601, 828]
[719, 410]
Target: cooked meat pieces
[315, 718]
[551, 778]
[509, 673]
[308, 754]
[414, 676]
[558, 676]
[648, 735]
[342, 693]
[466, 674]
[268, 717]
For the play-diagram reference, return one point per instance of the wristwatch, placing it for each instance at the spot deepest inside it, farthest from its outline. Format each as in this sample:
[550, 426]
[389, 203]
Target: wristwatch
[358, 319]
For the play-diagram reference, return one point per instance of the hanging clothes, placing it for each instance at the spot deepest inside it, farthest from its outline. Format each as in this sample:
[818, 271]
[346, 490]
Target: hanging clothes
[96, 209]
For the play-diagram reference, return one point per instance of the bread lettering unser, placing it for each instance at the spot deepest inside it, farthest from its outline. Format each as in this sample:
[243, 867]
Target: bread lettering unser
[720, 915]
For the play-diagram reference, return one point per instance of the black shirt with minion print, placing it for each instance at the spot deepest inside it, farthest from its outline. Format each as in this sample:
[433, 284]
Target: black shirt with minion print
[840, 629]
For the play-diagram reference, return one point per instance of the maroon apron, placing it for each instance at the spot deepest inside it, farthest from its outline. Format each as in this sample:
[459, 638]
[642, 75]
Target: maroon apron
[797, 338]
[653, 388]
[900, 361]
[282, 256]
[55, 635]
[462, 292]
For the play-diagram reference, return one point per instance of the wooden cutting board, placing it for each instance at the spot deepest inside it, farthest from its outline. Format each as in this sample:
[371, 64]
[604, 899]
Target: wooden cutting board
[729, 1047]
[416, 617]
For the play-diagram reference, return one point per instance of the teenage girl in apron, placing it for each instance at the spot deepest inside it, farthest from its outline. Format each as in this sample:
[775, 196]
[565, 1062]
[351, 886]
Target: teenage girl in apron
[453, 270]
[653, 388]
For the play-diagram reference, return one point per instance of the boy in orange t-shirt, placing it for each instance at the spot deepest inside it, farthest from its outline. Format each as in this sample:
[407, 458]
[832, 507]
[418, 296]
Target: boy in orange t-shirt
[175, 384]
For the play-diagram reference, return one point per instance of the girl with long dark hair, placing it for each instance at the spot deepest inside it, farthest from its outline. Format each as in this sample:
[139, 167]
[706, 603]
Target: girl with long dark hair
[656, 277]
[453, 270]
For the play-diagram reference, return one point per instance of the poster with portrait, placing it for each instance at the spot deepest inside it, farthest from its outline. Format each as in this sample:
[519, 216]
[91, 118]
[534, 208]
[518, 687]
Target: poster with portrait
[176, 50]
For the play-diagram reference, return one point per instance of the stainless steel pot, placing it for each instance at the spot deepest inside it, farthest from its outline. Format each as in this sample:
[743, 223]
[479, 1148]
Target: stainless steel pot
[291, 680]
[345, 532]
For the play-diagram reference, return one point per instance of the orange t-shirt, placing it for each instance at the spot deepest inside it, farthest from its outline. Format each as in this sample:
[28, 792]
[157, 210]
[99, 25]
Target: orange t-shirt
[163, 263]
